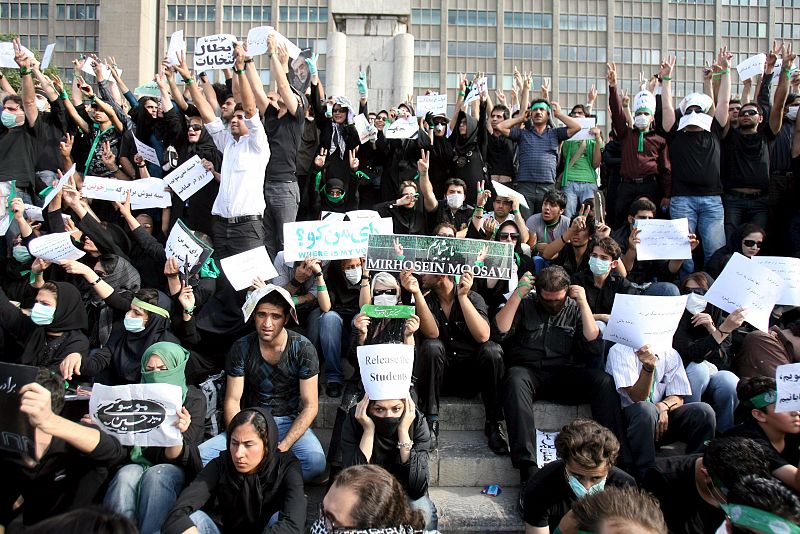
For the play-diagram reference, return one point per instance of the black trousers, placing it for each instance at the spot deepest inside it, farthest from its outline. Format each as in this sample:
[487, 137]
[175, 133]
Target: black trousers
[231, 239]
[439, 372]
[564, 385]
[627, 192]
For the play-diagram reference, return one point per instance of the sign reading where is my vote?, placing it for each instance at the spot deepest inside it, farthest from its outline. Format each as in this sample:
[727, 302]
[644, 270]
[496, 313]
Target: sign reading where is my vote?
[138, 414]
[16, 432]
[331, 240]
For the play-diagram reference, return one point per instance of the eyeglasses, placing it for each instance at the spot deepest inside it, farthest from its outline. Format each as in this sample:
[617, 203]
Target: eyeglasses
[752, 243]
[384, 292]
[506, 235]
[748, 113]
[340, 110]
[195, 127]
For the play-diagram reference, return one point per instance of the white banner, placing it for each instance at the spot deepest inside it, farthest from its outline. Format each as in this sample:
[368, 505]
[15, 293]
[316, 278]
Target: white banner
[639, 320]
[58, 186]
[362, 127]
[332, 240]
[587, 124]
[241, 269]
[7, 55]
[214, 52]
[663, 239]
[188, 178]
[55, 248]
[751, 67]
[257, 41]
[176, 46]
[189, 250]
[505, 191]
[48, 56]
[145, 192]
[138, 414]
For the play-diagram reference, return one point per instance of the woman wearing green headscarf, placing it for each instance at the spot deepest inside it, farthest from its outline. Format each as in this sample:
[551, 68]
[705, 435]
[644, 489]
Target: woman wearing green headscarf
[145, 489]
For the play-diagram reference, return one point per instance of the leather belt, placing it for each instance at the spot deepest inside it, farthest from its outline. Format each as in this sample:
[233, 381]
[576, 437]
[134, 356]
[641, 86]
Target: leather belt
[241, 219]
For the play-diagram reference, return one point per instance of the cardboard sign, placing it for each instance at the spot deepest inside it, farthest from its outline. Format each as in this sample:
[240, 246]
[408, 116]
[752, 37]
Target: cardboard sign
[788, 269]
[639, 320]
[545, 447]
[190, 251]
[435, 104]
[189, 178]
[388, 312]
[146, 151]
[176, 46]
[330, 240]
[58, 186]
[787, 378]
[214, 52]
[587, 124]
[241, 269]
[439, 255]
[402, 129]
[257, 41]
[48, 56]
[16, 432]
[507, 192]
[55, 248]
[746, 284]
[663, 239]
[145, 193]
[752, 67]
[386, 370]
[138, 414]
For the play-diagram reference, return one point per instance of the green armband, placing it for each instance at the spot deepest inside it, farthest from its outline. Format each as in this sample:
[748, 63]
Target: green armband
[363, 176]
[514, 211]
[322, 288]
[666, 78]
[401, 257]
[295, 300]
[188, 81]
[479, 264]
[63, 95]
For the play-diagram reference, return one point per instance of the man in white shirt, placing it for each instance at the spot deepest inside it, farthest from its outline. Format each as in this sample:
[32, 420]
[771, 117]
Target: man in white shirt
[239, 207]
[652, 388]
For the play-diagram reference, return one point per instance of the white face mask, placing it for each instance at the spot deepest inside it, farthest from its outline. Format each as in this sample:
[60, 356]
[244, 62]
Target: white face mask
[641, 122]
[696, 303]
[455, 200]
[385, 300]
[792, 113]
[40, 104]
[353, 275]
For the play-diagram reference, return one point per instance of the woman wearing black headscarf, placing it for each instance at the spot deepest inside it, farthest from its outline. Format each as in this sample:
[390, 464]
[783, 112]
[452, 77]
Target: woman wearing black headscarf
[55, 328]
[247, 488]
[149, 127]
[469, 150]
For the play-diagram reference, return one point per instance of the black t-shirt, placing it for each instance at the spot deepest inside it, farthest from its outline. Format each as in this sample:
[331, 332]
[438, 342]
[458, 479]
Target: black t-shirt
[52, 131]
[567, 259]
[548, 496]
[673, 483]
[453, 330]
[461, 219]
[791, 450]
[695, 158]
[284, 135]
[500, 155]
[746, 159]
[601, 300]
[19, 152]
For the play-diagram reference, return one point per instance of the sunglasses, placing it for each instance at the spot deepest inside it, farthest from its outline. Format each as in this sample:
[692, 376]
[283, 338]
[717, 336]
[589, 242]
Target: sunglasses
[195, 127]
[506, 235]
[340, 110]
[752, 243]
[748, 113]
[384, 292]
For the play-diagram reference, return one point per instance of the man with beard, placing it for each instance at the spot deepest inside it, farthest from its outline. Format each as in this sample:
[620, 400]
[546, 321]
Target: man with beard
[553, 346]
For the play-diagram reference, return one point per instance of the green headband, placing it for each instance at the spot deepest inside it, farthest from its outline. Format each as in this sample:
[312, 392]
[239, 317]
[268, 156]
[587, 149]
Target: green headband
[761, 401]
[150, 307]
[650, 111]
[753, 518]
[541, 105]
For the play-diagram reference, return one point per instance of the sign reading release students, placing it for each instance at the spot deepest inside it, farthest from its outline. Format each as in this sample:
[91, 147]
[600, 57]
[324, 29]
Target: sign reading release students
[439, 255]
[16, 433]
[141, 415]
[639, 320]
[386, 370]
[331, 239]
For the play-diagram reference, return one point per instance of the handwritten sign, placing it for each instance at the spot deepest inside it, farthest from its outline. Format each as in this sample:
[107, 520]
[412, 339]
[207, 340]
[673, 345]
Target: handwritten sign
[360, 215]
[55, 248]
[402, 129]
[176, 46]
[752, 66]
[16, 432]
[330, 240]
[189, 178]
[788, 269]
[388, 312]
[439, 255]
[507, 192]
[214, 52]
[58, 186]
[7, 55]
[138, 414]
[746, 284]
[145, 192]
[241, 269]
[35, 213]
[545, 447]
[257, 41]
[480, 86]
[787, 377]
[48, 56]
[663, 239]
[362, 127]
[587, 124]
[639, 320]
[386, 370]
[146, 151]
[435, 104]
[190, 251]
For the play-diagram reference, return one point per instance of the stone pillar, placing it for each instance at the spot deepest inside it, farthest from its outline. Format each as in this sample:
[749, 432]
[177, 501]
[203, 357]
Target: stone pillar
[123, 23]
[336, 64]
[403, 67]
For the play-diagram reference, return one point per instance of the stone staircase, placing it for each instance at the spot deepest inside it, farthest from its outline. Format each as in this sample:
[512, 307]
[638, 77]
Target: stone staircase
[463, 465]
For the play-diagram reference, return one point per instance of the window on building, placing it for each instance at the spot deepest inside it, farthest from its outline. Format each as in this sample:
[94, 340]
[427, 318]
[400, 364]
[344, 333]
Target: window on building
[471, 49]
[471, 17]
[77, 11]
[691, 2]
[261, 13]
[744, 29]
[580, 85]
[303, 14]
[319, 46]
[637, 24]
[690, 58]
[426, 80]
[34, 42]
[427, 48]
[787, 31]
[744, 2]
[637, 55]
[426, 16]
[690, 27]
[453, 80]
[191, 13]
[582, 22]
[528, 21]
[582, 53]
[76, 43]
[24, 10]
[527, 51]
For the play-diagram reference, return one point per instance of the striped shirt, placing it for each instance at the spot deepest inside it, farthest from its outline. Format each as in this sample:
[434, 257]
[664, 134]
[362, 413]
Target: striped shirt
[669, 375]
[538, 154]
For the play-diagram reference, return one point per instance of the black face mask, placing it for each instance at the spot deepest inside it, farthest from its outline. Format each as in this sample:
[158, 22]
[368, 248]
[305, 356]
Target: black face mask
[385, 426]
[552, 307]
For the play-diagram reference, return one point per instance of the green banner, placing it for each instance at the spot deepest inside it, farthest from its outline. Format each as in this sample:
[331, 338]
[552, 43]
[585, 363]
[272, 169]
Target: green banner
[388, 312]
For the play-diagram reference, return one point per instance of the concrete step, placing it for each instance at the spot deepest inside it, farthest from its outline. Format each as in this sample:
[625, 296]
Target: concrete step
[464, 459]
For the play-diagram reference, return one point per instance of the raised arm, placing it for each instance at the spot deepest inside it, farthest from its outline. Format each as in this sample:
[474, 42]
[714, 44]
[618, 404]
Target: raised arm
[26, 84]
[428, 197]
[462, 93]
[724, 95]
[177, 94]
[262, 102]
[782, 92]
[248, 99]
[279, 66]
[667, 108]
[68, 105]
[200, 102]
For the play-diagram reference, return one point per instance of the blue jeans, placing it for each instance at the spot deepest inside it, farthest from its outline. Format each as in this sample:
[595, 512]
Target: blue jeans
[425, 505]
[576, 193]
[740, 210]
[329, 331]
[145, 496]
[706, 218]
[717, 389]
[307, 449]
[662, 289]
[205, 525]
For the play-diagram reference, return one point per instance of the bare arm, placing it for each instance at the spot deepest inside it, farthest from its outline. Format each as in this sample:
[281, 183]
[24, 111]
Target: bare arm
[26, 84]
[262, 102]
[507, 125]
[279, 66]
[782, 91]
[200, 102]
[724, 95]
[667, 108]
[477, 325]
[310, 404]
[248, 100]
[425, 186]
[233, 398]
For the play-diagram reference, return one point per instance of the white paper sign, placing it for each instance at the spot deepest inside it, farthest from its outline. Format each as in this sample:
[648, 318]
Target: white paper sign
[587, 123]
[330, 216]
[402, 129]
[639, 320]
[189, 178]
[386, 370]
[214, 52]
[145, 193]
[48, 56]
[746, 284]
[7, 55]
[176, 46]
[241, 269]
[146, 151]
[55, 248]
[752, 66]
[185, 247]
[507, 192]
[138, 414]
[478, 87]
[6, 190]
[788, 269]
[257, 41]
[359, 215]
[362, 127]
[58, 186]
[663, 239]
[545, 447]
[703, 120]
[88, 69]
[436, 104]
[787, 378]
[331, 240]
